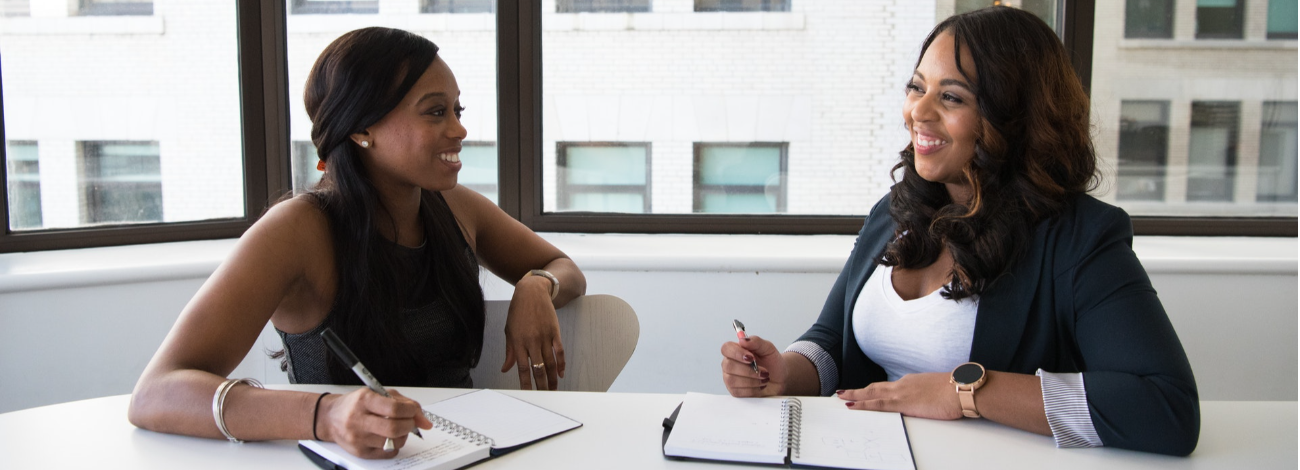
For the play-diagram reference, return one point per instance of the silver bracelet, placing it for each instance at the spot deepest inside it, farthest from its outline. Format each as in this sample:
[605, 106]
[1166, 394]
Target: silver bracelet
[219, 402]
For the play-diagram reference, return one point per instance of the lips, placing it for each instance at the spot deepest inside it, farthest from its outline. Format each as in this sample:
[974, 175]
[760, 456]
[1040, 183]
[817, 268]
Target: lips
[449, 157]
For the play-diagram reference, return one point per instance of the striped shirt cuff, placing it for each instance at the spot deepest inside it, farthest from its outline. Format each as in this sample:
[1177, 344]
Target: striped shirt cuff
[1066, 404]
[827, 373]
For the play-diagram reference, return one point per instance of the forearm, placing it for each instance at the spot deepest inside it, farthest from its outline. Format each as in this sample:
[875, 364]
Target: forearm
[572, 282]
[801, 375]
[180, 402]
[1015, 400]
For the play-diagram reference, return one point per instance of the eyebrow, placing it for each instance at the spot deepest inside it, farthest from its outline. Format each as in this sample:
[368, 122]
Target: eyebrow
[947, 82]
[430, 95]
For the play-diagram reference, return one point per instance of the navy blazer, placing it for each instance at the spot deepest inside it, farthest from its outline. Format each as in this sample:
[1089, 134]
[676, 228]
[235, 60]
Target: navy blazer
[1078, 300]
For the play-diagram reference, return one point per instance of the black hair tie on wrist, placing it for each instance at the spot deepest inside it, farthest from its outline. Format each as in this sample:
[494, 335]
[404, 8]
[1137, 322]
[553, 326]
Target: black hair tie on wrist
[316, 413]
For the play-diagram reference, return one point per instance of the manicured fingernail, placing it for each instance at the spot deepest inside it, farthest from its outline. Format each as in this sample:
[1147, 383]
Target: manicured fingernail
[839, 392]
[764, 375]
[747, 339]
[765, 380]
[747, 358]
[762, 387]
[848, 404]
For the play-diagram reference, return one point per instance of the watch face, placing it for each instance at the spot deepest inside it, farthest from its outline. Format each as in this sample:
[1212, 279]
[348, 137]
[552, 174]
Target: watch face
[967, 373]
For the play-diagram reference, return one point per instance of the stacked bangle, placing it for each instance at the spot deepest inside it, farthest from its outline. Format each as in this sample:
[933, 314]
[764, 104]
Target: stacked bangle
[219, 403]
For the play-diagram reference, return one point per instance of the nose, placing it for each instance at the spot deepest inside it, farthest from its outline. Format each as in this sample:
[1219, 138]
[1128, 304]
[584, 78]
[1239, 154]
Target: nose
[457, 129]
[923, 109]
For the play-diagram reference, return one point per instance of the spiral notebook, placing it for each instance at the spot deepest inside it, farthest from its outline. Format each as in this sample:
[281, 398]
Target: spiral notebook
[783, 431]
[466, 429]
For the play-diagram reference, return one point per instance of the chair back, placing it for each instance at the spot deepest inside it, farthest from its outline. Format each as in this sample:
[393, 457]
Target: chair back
[599, 333]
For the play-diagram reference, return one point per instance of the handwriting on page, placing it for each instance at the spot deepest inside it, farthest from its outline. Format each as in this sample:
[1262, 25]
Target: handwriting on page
[837, 437]
[426, 456]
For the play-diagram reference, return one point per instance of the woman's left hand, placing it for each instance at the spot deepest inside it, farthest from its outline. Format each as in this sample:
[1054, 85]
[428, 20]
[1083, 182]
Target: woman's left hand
[927, 395]
[533, 336]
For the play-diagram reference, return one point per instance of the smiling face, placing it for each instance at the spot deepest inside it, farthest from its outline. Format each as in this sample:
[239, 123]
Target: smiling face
[418, 143]
[942, 117]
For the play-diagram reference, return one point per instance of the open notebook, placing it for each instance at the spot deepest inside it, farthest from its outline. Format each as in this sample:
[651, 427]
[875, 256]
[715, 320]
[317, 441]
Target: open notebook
[784, 431]
[466, 429]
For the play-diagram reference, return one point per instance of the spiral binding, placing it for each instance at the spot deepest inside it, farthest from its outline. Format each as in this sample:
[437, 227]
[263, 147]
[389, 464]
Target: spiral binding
[462, 432]
[791, 424]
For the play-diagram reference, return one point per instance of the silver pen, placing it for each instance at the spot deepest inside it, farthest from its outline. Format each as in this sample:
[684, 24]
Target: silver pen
[344, 354]
[740, 335]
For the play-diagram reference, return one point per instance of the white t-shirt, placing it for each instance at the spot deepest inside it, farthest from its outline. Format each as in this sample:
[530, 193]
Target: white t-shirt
[928, 334]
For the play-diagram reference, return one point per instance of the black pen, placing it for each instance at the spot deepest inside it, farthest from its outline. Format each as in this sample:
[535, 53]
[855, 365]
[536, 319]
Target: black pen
[740, 335]
[344, 354]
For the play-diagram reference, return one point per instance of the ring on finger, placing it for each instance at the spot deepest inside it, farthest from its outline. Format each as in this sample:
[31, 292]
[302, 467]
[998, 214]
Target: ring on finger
[539, 365]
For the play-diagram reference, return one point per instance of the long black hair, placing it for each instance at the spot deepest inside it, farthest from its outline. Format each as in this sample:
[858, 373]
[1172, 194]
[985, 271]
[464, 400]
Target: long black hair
[357, 80]
[1033, 154]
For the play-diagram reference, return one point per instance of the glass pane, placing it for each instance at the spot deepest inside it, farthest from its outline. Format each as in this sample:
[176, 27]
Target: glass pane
[24, 185]
[479, 168]
[1277, 154]
[1043, 9]
[1149, 19]
[824, 77]
[1193, 128]
[739, 165]
[1282, 16]
[602, 6]
[742, 5]
[465, 32]
[605, 165]
[135, 119]
[1219, 19]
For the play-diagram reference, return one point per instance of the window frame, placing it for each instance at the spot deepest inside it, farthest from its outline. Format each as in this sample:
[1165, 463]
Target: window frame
[263, 78]
[94, 8]
[334, 7]
[698, 188]
[561, 170]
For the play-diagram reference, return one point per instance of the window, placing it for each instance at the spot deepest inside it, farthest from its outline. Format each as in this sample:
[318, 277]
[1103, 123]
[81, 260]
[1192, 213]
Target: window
[604, 177]
[1212, 151]
[602, 6]
[478, 170]
[303, 164]
[1143, 150]
[15, 8]
[742, 5]
[1282, 16]
[333, 7]
[1219, 19]
[740, 179]
[115, 7]
[1149, 19]
[1043, 9]
[121, 182]
[24, 185]
[458, 6]
[1277, 153]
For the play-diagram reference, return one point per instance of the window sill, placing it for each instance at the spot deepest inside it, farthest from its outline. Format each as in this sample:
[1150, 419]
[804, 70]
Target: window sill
[1208, 44]
[124, 25]
[622, 252]
[692, 21]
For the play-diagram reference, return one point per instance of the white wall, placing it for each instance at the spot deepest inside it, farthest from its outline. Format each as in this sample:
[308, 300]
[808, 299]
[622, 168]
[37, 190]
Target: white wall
[83, 323]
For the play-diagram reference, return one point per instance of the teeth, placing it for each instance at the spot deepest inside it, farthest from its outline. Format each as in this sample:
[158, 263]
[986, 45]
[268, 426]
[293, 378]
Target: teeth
[450, 157]
[929, 142]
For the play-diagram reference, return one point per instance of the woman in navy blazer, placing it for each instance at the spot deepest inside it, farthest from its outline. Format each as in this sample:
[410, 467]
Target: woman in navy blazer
[1067, 335]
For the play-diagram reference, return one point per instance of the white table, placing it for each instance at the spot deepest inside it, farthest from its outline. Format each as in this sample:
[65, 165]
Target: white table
[623, 430]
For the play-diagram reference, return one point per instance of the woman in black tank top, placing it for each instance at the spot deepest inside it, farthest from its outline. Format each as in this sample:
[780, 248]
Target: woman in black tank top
[384, 251]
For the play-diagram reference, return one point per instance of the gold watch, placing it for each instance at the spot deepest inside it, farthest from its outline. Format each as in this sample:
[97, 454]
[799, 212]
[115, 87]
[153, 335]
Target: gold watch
[968, 377]
[555, 283]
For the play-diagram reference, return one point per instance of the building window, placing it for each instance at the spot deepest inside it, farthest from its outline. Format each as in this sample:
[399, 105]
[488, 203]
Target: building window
[1277, 153]
[742, 5]
[603, 176]
[740, 178]
[115, 8]
[1282, 16]
[121, 182]
[303, 165]
[1152, 19]
[24, 185]
[479, 169]
[15, 8]
[458, 6]
[1143, 150]
[1212, 150]
[602, 6]
[1219, 19]
[333, 7]
[1043, 9]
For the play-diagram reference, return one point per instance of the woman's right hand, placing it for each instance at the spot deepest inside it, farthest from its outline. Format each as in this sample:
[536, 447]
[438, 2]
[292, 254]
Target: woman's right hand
[739, 376]
[361, 421]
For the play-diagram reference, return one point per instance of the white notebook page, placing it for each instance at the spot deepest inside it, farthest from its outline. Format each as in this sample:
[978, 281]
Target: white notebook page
[720, 427]
[437, 450]
[509, 421]
[833, 436]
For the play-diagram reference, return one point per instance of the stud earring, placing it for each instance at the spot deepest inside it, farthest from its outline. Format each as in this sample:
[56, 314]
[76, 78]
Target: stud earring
[365, 144]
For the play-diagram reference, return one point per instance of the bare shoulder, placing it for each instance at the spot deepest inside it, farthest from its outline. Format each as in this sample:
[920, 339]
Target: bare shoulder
[473, 211]
[296, 226]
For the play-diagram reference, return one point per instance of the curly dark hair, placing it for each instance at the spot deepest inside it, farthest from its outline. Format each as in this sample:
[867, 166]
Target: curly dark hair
[1033, 154]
